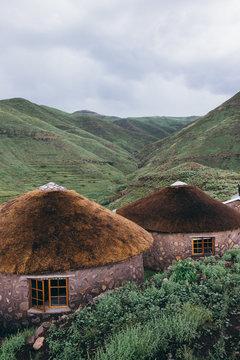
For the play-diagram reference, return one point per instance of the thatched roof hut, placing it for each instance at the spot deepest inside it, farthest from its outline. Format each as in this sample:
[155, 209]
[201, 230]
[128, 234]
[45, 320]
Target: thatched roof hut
[59, 230]
[184, 221]
[180, 209]
[58, 250]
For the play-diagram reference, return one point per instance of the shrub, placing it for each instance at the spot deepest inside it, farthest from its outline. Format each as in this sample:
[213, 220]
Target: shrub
[13, 344]
[184, 271]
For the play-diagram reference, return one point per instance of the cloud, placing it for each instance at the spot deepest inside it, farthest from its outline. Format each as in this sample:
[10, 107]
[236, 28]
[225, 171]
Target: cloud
[128, 57]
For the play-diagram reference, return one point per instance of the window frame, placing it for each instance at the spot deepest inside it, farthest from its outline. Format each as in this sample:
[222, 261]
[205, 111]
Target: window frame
[49, 306]
[210, 239]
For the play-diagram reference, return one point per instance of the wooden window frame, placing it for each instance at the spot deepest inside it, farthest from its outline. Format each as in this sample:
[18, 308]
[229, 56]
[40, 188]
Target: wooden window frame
[38, 290]
[49, 293]
[211, 240]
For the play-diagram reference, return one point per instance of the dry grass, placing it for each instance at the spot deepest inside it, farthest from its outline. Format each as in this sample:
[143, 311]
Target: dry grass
[42, 232]
[181, 209]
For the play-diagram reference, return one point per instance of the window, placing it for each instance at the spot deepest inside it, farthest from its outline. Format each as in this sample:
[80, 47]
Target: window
[48, 293]
[203, 246]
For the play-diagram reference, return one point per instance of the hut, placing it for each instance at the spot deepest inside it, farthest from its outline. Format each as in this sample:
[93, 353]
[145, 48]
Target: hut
[58, 250]
[184, 221]
[234, 202]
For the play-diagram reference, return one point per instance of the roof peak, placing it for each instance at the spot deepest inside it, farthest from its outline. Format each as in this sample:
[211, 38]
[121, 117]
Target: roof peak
[51, 186]
[178, 183]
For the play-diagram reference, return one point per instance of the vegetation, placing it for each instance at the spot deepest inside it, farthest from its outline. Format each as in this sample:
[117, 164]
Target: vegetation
[192, 315]
[10, 346]
[190, 311]
[83, 151]
[220, 184]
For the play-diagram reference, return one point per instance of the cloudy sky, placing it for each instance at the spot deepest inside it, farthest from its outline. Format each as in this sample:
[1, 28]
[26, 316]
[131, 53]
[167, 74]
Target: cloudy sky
[121, 57]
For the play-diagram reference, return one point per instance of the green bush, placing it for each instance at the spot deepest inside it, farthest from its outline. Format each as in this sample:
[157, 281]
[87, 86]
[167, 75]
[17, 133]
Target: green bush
[195, 304]
[13, 344]
[184, 271]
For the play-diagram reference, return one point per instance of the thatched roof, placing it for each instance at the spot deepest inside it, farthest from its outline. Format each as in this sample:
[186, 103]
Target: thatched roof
[181, 209]
[50, 231]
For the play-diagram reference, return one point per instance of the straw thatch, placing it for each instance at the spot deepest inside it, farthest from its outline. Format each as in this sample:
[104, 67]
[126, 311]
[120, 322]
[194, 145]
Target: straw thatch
[49, 231]
[181, 209]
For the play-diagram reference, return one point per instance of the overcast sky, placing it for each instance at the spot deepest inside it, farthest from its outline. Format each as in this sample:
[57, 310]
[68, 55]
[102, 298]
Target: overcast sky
[121, 57]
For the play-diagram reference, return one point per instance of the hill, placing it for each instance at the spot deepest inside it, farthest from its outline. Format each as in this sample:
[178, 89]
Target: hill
[81, 151]
[205, 153]
[212, 140]
[220, 184]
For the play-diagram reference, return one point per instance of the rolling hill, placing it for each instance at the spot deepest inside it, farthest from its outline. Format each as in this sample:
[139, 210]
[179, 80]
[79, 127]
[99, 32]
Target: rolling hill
[81, 150]
[205, 153]
[212, 140]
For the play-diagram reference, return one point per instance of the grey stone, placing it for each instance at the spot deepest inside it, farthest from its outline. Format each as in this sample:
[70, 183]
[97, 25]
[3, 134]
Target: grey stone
[39, 331]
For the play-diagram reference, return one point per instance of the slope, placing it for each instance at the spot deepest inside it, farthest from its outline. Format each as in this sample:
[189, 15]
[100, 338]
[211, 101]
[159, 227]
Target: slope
[83, 151]
[213, 140]
[38, 146]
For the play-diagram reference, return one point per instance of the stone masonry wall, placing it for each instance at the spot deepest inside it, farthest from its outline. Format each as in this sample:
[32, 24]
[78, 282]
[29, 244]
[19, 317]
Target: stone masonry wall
[167, 248]
[84, 285]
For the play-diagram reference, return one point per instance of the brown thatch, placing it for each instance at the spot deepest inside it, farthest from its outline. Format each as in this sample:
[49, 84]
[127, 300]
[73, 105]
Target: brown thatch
[181, 209]
[49, 231]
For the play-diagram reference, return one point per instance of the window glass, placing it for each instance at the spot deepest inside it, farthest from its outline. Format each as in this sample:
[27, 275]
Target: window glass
[203, 246]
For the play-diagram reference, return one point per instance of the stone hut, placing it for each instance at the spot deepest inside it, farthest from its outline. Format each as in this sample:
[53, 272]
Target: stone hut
[58, 250]
[184, 221]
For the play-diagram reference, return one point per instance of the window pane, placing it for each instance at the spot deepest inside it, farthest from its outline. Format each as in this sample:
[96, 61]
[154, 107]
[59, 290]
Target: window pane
[39, 285]
[34, 302]
[197, 246]
[62, 301]
[62, 291]
[207, 245]
[34, 284]
[54, 291]
[40, 295]
[62, 282]
[54, 301]
[54, 282]
[40, 303]
[34, 294]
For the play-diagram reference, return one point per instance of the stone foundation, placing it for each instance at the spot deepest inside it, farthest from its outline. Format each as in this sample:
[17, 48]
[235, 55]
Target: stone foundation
[167, 248]
[84, 285]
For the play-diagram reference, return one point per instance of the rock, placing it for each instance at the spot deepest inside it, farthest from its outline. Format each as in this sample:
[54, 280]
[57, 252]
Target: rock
[30, 340]
[38, 343]
[46, 324]
[39, 331]
[24, 306]
[104, 287]
[165, 280]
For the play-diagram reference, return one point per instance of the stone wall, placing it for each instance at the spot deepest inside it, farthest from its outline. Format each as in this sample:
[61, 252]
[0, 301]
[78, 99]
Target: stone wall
[84, 285]
[167, 248]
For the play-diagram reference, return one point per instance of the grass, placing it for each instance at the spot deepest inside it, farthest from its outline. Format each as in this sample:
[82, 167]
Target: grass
[11, 345]
[220, 184]
[89, 154]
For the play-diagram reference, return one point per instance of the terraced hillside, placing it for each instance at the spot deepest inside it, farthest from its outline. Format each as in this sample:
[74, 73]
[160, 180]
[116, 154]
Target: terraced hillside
[205, 153]
[39, 144]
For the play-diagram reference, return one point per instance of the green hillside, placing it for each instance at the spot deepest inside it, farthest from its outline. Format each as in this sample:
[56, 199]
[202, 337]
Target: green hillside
[220, 184]
[213, 140]
[156, 126]
[205, 153]
[80, 151]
